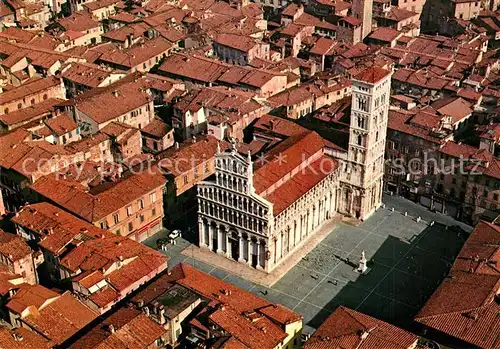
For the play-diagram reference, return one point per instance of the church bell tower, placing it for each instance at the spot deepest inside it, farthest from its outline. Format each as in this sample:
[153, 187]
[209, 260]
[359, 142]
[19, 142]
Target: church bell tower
[364, 169]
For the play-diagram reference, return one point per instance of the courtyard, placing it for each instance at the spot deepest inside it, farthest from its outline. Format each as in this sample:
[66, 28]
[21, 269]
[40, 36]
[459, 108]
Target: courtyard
[407, 261]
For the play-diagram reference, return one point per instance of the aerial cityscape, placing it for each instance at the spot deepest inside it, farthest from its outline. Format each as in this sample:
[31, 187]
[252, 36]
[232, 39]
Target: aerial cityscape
[264, 174]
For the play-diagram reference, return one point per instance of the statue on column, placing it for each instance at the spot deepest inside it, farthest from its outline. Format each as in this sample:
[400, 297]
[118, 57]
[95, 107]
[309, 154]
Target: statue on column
[362, 263]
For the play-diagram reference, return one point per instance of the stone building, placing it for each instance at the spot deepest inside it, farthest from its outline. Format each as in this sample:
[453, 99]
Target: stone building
[363, 10]
[362, 182]
[260, 216]
[259, 213]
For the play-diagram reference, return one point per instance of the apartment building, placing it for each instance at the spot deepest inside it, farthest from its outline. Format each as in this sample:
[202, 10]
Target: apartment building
[127, 204]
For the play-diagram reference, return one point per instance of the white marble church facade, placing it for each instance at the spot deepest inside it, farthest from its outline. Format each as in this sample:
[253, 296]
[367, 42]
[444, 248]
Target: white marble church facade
[254, 227]
[239, 224]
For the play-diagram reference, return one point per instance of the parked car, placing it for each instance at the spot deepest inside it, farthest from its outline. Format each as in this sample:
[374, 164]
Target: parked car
[174, 234]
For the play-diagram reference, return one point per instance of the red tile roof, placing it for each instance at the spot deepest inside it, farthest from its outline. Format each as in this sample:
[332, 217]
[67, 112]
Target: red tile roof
[218, 291]
[465, 305]
[93, 207]
[299, 184]
[386, 34]
[489, 164]
[32, 113]
[30, 295]
[372, 75]
[22, 338]
[60, 319]
[103, 104]
[237, 42]
[174, 160]
[294, 151]
[61, 124]
[56, 228]
[131, 329]
[79, 22]
[8, 280]
[259, 334]
[13, 247]
[248, 319]
[348, 329]
[28, 89]
[456, 107]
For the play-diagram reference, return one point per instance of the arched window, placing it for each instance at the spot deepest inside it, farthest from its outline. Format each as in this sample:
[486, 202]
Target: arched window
[19, 105]
[45, 96]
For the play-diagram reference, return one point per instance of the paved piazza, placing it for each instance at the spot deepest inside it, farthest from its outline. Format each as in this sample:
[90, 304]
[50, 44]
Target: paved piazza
[407, 261]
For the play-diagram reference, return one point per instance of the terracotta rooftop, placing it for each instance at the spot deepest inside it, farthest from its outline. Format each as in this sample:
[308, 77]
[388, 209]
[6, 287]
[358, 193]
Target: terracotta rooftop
[22, 338]
[131, 329]
[348, 329]
[86, 74]
[13, 247]
[237, 42]
[103, 104]
[34, 112]
[60, 318]
[61, 124]
[196, 153]
[456, 107]
[232, 308]
[385, 34]
[116, 263]
[28, 89]
[55, 227]
[9, 281]
[110, 198]
[79, 22]
[466, 305]
[156, 129]
[372, 75]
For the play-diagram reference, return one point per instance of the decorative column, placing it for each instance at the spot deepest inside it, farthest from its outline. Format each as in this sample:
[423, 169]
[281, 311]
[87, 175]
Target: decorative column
[249, 250]
[228, 247]
[211, 237]
[201, 232]
[240, 243]
[258, 255]
[219, 241]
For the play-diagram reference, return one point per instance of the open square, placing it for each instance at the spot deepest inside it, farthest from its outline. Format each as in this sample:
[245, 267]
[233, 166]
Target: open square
[407, 261]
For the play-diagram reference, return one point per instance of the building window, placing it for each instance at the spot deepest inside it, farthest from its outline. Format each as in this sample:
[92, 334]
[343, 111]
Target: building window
[495, 197]
[360, 140]
[153, 212]
[130, 227]
[6, 111]
[129, 211]
[104, 225]
[32, 101]
[116, 218]
[19, 105]
[118, 232]
[185, 179]
[152, 197]
[140, 203]
[45, 96]
[141, 218]
[196, 173]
